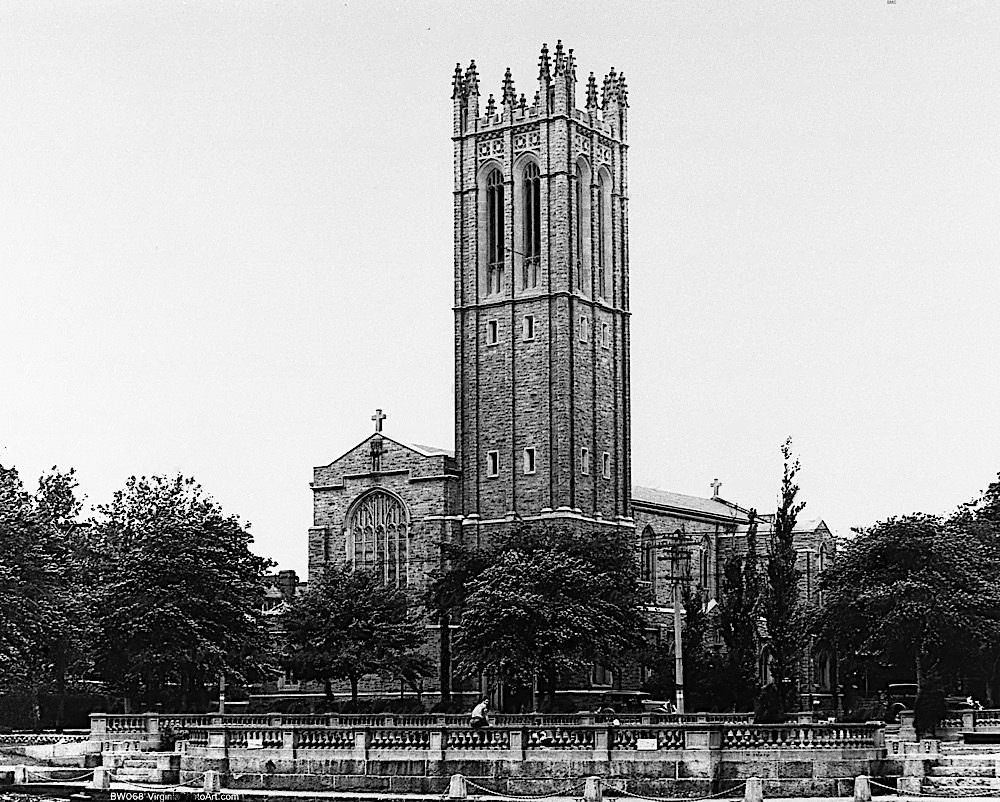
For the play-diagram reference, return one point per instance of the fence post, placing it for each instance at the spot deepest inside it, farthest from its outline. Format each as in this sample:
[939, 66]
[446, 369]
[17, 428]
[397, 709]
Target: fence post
[20, 775]
[593, 789]
[213, 782]
[862, 789]
[754, 791]
[98, 726]
[456, 788]
[101, 780]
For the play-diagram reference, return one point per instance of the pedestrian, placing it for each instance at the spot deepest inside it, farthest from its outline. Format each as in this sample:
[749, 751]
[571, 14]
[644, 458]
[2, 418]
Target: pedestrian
[478, 719]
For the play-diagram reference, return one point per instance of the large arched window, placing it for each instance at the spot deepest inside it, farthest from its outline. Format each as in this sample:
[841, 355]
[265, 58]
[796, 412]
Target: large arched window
[377, 536]
[532, 246]
[494, 232]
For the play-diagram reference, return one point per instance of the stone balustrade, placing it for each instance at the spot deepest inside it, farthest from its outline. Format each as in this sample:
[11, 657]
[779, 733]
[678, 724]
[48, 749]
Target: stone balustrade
[663, 759]
[147, 726]
[956, 726]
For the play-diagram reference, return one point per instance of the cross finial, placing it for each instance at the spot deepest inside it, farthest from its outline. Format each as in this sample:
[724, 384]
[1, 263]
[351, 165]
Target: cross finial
[378, 417]
[715, 488]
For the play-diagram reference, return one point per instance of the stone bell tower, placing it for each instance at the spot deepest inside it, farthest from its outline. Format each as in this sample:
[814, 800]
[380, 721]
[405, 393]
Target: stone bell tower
[541, 297]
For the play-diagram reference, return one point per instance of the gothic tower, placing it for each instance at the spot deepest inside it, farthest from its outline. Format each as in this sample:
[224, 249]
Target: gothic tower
[541, 297]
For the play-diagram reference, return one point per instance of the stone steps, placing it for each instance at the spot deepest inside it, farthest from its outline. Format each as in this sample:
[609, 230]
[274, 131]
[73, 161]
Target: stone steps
[933, 784]
[963, 771]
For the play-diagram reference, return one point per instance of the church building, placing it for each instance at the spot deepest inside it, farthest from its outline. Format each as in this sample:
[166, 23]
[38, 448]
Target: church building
[542, 376]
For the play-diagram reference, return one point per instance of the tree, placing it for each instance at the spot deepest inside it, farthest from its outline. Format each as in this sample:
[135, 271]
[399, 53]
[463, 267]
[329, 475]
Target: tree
[553, 601]
[182, 594]
[738, 617]
[914, 590]
[46, 587]
[348, 624]
[780, 605]
[445, 596]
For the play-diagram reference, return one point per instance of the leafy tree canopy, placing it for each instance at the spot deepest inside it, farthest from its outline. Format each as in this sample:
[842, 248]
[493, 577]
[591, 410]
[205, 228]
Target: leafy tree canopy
[181, 593]
[348, 624]
[917, 589]
[551, 600]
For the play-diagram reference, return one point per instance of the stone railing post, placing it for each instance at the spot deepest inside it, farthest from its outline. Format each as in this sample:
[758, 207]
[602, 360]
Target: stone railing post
[754, 791]
[518, 741]
[907, 727]
[151, 727]
[862, 789]
[288, 743]
[98, 726]
[362, 740]
[969, 720]
[702, 753]
[603, 742]
[437, 739]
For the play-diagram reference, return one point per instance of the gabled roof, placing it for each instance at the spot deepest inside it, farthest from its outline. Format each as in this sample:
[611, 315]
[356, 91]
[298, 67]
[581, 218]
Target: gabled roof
[430, 451]
[684, 503]
[424, 451]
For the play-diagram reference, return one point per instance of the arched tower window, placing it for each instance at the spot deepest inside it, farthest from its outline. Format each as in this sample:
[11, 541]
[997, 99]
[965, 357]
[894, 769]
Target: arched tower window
[532, 246]
[705, 564]
[582, 228]
[494, 232]
[647, 557]
[377, 536]
[603, 201]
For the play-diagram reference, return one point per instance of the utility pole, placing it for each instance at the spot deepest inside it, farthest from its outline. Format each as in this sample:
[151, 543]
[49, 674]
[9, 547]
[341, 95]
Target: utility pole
[679, 551]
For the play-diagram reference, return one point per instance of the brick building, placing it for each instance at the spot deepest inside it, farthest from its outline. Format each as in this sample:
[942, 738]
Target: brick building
[542, 399]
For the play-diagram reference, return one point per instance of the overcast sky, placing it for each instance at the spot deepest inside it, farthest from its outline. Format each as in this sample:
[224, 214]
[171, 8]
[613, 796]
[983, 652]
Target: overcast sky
[225, 238]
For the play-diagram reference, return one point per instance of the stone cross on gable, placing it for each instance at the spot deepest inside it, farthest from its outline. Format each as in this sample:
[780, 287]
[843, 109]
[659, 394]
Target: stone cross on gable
[378, 417]
[715, 488]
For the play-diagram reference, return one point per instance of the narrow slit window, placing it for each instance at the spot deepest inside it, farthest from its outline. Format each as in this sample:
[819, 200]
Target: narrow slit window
[584, 327]
[528, 327]
[492, 332]
[585, 461]
[492, 464]
[606, 465]
[605, 335]
[529, 460]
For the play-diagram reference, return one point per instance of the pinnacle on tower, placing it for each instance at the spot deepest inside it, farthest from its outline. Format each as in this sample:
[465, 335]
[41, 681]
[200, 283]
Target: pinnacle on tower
[543, 64]
[571, 66]
[622, 91]
[457, 84]
[608, 89]
[491, 106]
[472, 79]
[591, 93]
[538, 97]
[560, 62]
[508, 89]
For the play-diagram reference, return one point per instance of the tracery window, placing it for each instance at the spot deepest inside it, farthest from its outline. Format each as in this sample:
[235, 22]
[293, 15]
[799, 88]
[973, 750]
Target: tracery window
[494, 232]
[532, 246]
[377, 536]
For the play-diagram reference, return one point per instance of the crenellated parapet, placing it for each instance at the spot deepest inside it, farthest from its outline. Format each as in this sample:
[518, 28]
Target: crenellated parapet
[555, 96]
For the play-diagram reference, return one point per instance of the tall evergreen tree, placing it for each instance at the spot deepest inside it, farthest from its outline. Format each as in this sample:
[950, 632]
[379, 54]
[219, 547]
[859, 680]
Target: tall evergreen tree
[781, 608]
[739, 617]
